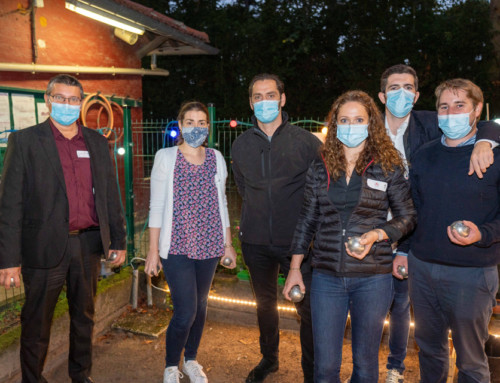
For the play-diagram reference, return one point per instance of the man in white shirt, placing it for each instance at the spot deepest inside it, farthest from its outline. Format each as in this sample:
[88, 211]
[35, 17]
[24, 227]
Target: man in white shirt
[408, 130]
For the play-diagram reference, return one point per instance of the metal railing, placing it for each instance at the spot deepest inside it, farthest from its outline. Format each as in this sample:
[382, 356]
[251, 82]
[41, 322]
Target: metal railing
[141, 141]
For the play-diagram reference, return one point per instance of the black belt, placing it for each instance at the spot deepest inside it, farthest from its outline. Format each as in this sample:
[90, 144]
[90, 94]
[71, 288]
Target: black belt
[74, 233]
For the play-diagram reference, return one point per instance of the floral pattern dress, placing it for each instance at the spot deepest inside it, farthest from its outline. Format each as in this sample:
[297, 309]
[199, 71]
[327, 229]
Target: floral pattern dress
[197, 227]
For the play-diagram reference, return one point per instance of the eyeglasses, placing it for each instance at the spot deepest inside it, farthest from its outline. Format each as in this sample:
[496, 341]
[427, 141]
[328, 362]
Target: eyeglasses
[60, 99]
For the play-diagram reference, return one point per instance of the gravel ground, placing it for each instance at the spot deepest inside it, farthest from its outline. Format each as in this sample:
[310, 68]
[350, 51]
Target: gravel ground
[227, 352]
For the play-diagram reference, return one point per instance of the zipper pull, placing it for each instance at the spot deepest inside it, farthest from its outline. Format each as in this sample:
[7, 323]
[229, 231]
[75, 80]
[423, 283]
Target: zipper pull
[343, 232]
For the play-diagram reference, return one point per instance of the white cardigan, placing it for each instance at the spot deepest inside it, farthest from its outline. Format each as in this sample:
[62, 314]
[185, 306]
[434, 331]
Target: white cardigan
[162, 195]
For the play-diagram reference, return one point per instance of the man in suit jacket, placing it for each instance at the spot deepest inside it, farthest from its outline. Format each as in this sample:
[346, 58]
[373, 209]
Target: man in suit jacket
[59, 212]
[409, 130]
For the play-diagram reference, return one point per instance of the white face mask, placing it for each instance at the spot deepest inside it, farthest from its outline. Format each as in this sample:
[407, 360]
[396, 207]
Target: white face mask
[455, 126]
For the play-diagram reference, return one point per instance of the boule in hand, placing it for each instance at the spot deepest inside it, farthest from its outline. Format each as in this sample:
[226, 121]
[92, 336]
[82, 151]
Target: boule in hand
[354, 245]
[295, 294]
[112, 256]
[461, 228]
[402, 271]
[227, 261]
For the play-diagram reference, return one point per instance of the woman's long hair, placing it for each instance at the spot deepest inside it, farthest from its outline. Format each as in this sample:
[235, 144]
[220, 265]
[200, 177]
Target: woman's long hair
[378, 145]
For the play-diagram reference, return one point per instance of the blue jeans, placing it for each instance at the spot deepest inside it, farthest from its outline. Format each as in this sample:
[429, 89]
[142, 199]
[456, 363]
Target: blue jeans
[189, 281]
[399, 327]
[456, 298]
[368, 300]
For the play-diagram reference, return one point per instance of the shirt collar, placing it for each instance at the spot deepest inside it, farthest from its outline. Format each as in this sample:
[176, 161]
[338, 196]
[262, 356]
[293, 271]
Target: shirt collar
[470, 141]
[58, 135]
[402, 128]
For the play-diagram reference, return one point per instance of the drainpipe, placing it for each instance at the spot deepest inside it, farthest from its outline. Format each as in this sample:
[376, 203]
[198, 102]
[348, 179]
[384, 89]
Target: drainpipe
[34, 48]
[40, 68]
[153, 62]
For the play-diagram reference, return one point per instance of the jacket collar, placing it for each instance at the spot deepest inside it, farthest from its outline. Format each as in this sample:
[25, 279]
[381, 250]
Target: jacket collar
[284, 122]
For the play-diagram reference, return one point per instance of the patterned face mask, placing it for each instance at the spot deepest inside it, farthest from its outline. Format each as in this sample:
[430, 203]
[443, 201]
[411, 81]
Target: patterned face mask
[194, 136]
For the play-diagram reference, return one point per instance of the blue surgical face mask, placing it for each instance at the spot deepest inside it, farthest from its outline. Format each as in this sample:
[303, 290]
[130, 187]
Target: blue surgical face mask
[65, 114]
[266, 111]
[399, 102]
[194, 136]
[455, 126]
[352, 135]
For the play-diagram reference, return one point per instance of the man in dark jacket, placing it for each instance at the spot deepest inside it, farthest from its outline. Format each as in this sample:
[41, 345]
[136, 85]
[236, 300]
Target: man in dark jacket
[270, 161]
[59, 212]
[453, 273]
[409, 130]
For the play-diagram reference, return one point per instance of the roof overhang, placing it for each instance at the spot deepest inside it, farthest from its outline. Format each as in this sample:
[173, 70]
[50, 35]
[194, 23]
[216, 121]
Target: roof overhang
[164, 35]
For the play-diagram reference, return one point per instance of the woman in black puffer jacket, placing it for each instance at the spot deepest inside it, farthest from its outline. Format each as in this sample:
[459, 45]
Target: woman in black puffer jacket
[349, 192]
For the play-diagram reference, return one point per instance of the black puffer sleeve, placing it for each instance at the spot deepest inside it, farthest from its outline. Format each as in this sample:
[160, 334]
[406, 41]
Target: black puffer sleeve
[308, 222]
[404, 215]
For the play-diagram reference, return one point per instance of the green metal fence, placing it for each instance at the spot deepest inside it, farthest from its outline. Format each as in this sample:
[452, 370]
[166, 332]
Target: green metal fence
[148, 136]
[141, 141]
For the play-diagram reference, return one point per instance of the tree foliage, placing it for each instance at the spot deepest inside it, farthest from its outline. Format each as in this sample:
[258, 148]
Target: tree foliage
[320, 49]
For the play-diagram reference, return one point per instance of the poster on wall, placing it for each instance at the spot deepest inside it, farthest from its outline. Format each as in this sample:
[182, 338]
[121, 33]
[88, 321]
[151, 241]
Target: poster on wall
[23, 110]
[43, 111]
[4, 118]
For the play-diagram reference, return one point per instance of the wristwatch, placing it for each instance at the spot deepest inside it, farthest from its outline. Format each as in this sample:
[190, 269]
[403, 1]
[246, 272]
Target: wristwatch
[380, 235]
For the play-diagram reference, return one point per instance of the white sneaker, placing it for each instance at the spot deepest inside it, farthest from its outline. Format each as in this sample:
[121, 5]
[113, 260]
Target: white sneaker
[172, 375]
[195, 371]
[394, 376]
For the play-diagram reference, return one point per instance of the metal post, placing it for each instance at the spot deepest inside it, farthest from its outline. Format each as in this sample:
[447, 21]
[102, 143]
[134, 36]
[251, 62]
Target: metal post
[135, 288]
[211, 117]
[149, 290]
[129, 179]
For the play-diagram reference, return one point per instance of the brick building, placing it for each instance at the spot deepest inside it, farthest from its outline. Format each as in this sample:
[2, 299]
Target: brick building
[41, 38]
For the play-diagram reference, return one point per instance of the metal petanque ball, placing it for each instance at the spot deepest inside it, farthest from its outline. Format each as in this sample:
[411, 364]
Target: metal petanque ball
[354, 246]
[112, 256]
[462, 229]
[402, 271]
[226, 261]
[295, 294]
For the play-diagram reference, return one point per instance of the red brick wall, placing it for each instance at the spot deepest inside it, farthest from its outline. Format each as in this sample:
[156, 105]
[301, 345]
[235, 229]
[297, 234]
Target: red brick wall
[66, 38]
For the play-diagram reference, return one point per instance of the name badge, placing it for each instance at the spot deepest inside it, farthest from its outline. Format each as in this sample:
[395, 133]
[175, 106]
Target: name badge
[377, 185]
[82, 154]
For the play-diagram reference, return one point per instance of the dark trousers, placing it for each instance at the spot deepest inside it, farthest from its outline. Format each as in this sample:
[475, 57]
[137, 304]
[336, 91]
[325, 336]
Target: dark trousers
[79, 269]
[456, 298]
[399, 325]
[189, 281]
[264, 264]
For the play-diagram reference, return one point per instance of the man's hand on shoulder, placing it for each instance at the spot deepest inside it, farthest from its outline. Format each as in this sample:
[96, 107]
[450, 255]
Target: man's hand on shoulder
[481, 158]
[10, 277]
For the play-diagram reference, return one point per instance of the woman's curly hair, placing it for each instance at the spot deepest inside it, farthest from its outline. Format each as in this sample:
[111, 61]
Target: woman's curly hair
[378, 146]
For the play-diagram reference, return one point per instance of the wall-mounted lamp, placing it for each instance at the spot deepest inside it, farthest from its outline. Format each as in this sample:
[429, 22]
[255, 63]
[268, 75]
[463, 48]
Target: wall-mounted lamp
[103, 16]
[128, 37]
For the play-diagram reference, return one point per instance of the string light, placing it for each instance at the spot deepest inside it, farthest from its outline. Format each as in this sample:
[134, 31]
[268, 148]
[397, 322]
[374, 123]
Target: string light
[247, 303]
[252, 303]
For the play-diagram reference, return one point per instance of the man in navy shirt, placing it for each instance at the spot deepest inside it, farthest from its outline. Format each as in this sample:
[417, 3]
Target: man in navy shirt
[453, 278]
